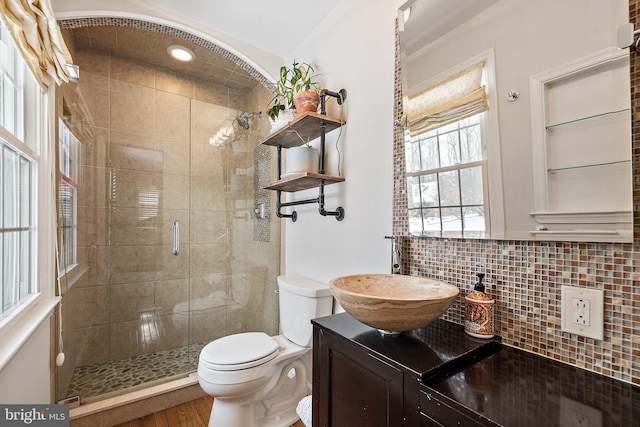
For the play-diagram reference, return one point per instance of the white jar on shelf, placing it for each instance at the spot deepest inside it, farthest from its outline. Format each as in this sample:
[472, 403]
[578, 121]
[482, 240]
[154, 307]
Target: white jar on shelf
[300, 160]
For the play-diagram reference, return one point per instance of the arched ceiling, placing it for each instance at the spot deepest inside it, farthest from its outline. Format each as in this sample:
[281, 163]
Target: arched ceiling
[273, 27]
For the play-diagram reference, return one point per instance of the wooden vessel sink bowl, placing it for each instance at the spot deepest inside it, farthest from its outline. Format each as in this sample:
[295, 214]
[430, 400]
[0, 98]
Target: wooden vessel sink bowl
[393, 303]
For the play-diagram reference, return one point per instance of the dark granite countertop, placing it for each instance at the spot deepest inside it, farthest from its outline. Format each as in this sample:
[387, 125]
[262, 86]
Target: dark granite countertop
[423, 352]
[504, 385]
[515, 388]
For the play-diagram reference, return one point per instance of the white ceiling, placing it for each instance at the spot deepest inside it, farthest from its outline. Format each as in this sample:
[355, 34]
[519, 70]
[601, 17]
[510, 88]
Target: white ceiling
[273, 26]
[278, 26]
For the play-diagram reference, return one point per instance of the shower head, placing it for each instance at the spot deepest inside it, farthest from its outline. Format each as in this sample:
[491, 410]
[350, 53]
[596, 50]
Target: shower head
[244, 118]
[243, 122]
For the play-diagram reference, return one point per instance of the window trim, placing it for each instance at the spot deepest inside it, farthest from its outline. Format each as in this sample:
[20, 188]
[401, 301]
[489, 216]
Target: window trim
[22, 140]
[490, 138]
[19, 326]
[16, 329]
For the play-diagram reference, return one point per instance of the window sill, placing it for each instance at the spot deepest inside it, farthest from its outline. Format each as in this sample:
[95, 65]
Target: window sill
[72, 276]
[15, 333]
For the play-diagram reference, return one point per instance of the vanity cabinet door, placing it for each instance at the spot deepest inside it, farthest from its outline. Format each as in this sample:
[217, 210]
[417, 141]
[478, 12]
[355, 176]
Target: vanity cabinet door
[436, 411]
[353, 387]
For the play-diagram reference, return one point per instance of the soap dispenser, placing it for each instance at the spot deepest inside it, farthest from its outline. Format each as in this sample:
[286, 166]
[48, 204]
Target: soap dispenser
[479, 311]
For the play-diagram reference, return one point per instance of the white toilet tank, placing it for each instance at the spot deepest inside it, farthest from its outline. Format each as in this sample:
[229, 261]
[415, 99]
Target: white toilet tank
[302, 299]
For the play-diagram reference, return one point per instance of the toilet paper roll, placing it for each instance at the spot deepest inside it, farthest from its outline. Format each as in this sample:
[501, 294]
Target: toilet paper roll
[304, 410]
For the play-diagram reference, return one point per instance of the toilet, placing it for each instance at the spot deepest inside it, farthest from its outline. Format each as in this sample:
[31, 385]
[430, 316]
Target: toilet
[258, 380]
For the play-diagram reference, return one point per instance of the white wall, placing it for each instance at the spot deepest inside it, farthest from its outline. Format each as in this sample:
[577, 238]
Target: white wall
[528, 37]
[26, 378]
[353, 49]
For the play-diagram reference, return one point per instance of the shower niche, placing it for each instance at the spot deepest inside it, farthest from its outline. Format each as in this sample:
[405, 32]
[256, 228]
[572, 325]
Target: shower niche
[302, 130]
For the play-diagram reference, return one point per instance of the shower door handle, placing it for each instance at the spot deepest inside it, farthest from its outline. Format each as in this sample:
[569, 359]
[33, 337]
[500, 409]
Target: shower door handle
[176, 237]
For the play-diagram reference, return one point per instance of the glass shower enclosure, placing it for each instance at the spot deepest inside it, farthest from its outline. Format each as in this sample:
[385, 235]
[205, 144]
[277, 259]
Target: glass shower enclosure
[160, 251]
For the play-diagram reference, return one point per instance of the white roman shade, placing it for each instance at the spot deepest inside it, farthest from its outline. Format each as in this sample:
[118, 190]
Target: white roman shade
[461, 95]
[37, 35]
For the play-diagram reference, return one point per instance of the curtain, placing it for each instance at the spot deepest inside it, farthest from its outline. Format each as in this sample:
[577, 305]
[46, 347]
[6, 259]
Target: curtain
[36, 33]
[461, 95]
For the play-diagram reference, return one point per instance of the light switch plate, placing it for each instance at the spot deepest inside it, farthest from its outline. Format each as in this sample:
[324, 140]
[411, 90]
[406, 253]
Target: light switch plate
[583, 311]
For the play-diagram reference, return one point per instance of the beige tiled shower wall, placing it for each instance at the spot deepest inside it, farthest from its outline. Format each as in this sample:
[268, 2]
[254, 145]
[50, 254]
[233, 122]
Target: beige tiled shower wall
[146, 162]
[525, 276]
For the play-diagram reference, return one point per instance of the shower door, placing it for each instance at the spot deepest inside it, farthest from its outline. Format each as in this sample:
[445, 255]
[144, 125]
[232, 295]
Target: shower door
[169, 255]
[126, 300]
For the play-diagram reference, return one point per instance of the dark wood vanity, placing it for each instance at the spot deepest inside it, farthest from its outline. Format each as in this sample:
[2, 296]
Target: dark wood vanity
[439, 376]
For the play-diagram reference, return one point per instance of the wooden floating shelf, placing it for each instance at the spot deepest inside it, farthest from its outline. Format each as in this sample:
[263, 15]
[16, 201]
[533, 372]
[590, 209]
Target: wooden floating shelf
[302, 181]
[302, 130]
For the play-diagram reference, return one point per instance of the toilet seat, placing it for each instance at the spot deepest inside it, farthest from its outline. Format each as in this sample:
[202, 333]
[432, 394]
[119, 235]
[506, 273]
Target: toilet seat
[239, 351]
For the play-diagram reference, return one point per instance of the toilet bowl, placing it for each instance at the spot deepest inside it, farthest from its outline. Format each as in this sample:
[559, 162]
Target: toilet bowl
[258, 380]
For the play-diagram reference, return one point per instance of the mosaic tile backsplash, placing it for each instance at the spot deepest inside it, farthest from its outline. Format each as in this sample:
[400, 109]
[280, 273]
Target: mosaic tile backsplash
[525, 277]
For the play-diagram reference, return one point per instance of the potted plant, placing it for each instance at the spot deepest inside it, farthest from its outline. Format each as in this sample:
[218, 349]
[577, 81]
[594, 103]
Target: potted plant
[296, 89]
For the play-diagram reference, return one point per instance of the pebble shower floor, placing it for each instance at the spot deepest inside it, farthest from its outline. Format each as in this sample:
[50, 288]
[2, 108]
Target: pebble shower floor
[102, 378]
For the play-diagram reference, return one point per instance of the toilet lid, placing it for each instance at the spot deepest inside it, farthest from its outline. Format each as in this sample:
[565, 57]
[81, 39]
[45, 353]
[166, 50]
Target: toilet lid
[239, 351]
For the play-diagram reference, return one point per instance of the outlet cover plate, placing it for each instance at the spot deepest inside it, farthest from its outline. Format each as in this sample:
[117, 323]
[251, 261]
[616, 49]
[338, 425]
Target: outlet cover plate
[595, 297]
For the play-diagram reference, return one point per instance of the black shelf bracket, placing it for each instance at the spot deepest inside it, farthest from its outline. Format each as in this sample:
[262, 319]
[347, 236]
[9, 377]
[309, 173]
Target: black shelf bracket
[340, 96]
[338, 213]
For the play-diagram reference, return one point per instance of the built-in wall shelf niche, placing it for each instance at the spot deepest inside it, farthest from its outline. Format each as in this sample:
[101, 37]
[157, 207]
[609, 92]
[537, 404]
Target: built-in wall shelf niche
[581, 138]
[303, 129]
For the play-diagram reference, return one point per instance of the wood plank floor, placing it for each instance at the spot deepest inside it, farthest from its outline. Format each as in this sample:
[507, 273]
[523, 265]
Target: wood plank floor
[190, 414]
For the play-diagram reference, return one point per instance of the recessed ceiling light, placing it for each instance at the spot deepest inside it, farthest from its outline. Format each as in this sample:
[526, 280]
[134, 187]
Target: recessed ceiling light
[181, 53]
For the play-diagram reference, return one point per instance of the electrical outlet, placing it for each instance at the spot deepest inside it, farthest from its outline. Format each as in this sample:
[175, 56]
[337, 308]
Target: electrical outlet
[583, 311]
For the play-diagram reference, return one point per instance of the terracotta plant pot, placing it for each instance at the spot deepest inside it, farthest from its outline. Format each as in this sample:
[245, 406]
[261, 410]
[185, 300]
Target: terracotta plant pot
[306, 101]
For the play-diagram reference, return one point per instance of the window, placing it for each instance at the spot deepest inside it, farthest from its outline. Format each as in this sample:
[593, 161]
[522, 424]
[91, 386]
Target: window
[18, 228]
[448, 141]
[445, 175]
[68, 147]
[20, 104]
